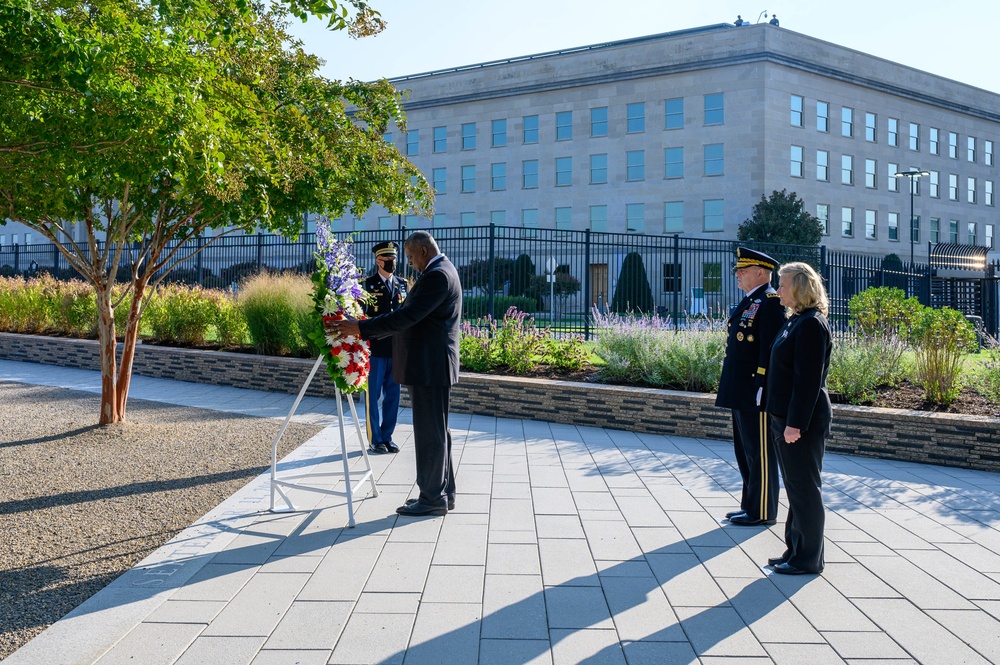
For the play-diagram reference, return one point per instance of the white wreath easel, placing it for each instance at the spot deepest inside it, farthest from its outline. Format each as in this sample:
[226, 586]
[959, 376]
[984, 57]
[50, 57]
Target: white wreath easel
[293, 480]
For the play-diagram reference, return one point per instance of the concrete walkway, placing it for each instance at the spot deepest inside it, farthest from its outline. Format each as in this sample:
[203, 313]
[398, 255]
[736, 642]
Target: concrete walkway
[568, 545]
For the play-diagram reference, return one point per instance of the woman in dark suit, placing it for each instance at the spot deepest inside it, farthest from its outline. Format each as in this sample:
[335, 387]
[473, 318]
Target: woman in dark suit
[799, 406]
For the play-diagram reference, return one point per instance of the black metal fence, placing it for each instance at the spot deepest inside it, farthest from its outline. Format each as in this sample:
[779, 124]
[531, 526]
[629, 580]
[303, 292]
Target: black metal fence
[563, 276]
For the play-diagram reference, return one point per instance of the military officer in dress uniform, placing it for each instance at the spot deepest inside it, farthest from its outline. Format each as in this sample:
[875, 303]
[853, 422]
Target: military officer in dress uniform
[752, 327]
[388, 291]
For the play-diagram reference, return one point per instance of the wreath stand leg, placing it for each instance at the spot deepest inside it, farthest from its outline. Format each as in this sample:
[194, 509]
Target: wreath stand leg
[277, 484]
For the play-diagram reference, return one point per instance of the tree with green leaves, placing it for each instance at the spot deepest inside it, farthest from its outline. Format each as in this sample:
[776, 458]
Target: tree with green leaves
[781, 219]
[130, 126]
[632, 293]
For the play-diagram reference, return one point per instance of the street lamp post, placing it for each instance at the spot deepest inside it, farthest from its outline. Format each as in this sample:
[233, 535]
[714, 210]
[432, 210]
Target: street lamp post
[912, 175]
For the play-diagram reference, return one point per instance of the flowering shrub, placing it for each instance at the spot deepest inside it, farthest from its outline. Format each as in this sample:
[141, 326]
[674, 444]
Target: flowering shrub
[647, 350]
[516, 345]
[861, 363]
[337, 295]
[941, 337]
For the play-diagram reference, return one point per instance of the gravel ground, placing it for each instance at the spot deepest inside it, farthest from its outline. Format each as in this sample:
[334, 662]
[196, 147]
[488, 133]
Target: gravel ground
[80, 503]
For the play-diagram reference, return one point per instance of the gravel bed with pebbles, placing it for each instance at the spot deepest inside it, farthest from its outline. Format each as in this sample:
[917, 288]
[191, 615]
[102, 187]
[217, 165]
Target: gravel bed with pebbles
[80, 503]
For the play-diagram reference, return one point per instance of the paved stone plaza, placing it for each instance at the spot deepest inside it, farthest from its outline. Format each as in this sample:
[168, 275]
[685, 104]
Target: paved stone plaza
[568, 545]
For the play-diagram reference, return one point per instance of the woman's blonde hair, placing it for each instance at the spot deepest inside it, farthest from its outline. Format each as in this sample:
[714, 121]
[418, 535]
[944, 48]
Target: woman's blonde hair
[805, 287]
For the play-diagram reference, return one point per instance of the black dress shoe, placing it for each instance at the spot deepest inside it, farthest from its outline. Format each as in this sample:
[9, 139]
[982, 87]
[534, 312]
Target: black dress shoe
[788, 569]
[746, 520]
[451, 502]
[418, 507]
[733, 513]
[377, 449]
[391, 447]
[777, 560]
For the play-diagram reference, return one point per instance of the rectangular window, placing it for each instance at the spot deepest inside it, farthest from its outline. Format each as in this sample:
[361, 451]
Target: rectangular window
[712, 214]
[599, 218]
[387, 137]
[498, 217]
[988, 153]
[871, 232]
[953, 145]
[598, 169]
[529, 218]
[971, 148]
[714, 109]
[914, 137]
[564, 171]
[796, 108]
[469, 178]
[970, 187]
[822, 165]
[935, 230]
[932, 141]
[847, 122]
[892, 181]
[673, 217]
[952, 187]
[847, 222]
[564, 219]
[635, 217]
[498, 176]
[599, 121]
[847, 169]
[988, 192]
[530, 129]
[440, 139]
[386, 223]
[438, 177]
[893, 132]
[499, 133]
[564, 125]
[989, 235]
[971, 236]
[673, 163]
[871, 179]
[915, 229]
[823, 215]
[635, 117]
[635, 165]
[796, 167]
[674, 113]
[711, 277]
[953, 231]
[469, 136]
[934, 181]
[412, 142]
[529, 174]
[714, 159]
[467, 219]
[822, 117]
[915, 182]
[871, 127]
[671, 278]
[893, 225]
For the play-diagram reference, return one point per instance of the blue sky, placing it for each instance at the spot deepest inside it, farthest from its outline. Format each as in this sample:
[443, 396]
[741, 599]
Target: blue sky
[424, 35]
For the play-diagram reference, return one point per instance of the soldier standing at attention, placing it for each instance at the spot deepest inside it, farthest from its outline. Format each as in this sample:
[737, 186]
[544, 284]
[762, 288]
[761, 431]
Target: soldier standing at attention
[388, 292]
[752, 327]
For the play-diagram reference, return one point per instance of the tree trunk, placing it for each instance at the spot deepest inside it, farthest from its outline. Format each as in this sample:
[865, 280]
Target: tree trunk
[128, 350]
[106, 336]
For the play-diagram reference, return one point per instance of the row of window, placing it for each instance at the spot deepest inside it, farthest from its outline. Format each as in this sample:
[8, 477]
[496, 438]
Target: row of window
[847, 167]
[563, 125]
[939, 230]
[635, 169]
[15, 239]
[892, 129]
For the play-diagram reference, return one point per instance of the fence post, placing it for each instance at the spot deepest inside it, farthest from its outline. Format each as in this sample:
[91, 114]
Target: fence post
[17, 257]
[677, 281]
[929, 276]
[197, 259]
[55, 260]
[824, 268]
[260, 251]
[587, 292]
[493, 270]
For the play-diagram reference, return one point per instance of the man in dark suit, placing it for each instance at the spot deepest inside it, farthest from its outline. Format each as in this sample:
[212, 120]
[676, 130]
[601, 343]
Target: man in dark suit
[425, 338]
[388, 291]
[752, 328]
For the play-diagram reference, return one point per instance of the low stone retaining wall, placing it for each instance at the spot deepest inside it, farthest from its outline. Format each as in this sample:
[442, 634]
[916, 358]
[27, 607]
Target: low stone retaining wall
[915, 436]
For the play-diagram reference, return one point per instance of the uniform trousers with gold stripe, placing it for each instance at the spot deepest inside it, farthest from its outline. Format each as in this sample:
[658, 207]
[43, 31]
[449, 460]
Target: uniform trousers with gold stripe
[758, 463]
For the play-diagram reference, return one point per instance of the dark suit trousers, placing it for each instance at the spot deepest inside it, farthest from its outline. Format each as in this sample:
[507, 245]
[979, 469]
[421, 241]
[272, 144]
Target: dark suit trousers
[432, 442]
[758, 464]
[801, 463]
